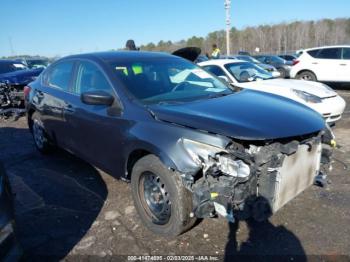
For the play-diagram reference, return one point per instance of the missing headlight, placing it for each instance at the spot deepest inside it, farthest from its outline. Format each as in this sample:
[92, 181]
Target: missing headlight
[231, 167]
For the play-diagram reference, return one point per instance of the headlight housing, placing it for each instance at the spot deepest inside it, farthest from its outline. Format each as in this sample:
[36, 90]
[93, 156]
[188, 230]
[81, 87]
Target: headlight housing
[327, 87]
[200, 152]
[207, 155]
[307, 97]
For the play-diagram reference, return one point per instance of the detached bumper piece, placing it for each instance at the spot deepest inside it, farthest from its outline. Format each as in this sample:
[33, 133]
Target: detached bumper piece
[259, 180]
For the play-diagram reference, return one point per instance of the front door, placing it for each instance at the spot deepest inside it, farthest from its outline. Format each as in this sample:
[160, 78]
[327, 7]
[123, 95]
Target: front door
[345, 65]
[95, 133]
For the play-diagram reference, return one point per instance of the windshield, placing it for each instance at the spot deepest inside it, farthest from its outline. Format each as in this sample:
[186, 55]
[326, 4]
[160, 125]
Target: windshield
[168, 80]
[277, 59]
[247, 72]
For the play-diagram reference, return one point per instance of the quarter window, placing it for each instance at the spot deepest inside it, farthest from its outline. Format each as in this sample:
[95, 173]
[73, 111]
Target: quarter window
[346, 53]
[90, 78]
[60, 75]
[330, 53]
[313, 53]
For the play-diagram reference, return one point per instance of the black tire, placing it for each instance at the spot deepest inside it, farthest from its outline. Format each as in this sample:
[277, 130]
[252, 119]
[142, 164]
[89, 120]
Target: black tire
[41, 139]
[180, 199]
[307, 76]
[282, 72]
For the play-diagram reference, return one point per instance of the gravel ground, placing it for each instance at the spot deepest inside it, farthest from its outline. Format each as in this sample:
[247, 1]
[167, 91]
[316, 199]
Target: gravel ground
[65, 208]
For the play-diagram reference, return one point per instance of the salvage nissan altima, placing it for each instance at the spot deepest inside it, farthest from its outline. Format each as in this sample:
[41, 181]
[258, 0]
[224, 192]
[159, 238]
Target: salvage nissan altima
[191, 146]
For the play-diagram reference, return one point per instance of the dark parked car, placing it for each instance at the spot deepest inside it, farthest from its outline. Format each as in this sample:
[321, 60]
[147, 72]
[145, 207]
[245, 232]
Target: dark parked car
[290, 58]
[16, 75]
[280, 64]
[191, 145]
[37, 63]
[250, 59]
[9, 247]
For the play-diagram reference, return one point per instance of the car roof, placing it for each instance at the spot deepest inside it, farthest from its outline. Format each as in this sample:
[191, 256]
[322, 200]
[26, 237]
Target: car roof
[264, 55]
[10, 61]
[323, 47]
[221, 62]
[121, 55]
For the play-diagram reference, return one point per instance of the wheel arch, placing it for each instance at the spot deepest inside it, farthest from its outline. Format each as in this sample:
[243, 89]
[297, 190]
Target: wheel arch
[30, 113]
[306, 70]
[137, 153]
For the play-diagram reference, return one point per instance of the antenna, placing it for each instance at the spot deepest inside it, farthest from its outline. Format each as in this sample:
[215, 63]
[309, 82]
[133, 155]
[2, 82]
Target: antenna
[228, 25]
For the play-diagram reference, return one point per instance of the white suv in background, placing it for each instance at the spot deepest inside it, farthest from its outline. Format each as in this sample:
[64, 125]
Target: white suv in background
[329, 64]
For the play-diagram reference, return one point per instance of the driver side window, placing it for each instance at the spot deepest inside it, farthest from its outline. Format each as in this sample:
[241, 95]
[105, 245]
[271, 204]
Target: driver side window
[90, 78]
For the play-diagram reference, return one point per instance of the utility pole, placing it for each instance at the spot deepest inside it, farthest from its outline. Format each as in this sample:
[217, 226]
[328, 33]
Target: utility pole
[228, 24]
[11, 46]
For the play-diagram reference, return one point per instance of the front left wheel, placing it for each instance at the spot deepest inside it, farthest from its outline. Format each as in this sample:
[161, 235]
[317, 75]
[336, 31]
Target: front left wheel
[162, 202]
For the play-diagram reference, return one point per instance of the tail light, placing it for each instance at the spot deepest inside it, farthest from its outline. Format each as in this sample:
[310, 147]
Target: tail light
[295, 62]
[26, 92]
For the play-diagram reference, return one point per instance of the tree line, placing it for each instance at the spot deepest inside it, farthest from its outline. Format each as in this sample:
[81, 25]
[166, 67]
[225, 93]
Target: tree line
[277, 38]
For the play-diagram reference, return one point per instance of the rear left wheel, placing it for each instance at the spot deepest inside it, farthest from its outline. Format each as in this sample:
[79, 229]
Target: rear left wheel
[40, 137]
[307, 76]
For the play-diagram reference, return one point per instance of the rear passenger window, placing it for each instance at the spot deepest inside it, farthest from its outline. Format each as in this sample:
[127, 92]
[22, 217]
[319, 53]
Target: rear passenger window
[90, 78]
[346, 53]
[60, 75]
[330, 53]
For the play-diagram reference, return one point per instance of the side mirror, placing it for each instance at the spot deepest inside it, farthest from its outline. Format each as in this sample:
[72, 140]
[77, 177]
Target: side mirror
[97, 98]
[225, 78]
[276, 74]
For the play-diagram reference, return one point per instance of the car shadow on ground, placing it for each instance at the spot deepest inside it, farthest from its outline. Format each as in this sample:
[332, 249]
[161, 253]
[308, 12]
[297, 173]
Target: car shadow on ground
[265, 242]
[57, 198]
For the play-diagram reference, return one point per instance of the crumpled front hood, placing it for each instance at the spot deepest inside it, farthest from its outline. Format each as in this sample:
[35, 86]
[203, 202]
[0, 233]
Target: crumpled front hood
[246, 115]
[315, 88]
[21, 77]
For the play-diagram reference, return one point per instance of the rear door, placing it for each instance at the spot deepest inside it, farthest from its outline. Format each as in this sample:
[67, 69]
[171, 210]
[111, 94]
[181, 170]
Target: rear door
[345, 65]
[327, 64]
[94, 132]
[50, 99]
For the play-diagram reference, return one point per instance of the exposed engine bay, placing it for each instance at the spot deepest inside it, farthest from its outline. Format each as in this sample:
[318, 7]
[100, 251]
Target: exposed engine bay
[256, 179]
[11, 100]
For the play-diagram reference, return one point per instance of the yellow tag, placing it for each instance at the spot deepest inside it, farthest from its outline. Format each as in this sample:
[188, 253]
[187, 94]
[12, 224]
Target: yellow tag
[333, 143]
[214, 195]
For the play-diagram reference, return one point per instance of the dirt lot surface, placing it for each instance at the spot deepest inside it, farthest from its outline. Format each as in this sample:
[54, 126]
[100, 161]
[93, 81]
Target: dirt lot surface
[68, 209]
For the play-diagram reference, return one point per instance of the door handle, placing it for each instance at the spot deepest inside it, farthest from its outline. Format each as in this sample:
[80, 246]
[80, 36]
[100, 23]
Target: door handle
[315, 63]
[343, 64]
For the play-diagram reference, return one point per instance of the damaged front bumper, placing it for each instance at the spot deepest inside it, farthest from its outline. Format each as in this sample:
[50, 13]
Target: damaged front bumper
[252, 179]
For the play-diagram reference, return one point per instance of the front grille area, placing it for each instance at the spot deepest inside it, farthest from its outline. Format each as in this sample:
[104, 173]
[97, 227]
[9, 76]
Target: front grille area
[297, 173]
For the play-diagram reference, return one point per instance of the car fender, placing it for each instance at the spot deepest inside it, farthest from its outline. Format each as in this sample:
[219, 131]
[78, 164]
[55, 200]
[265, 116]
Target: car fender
[148, 136]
